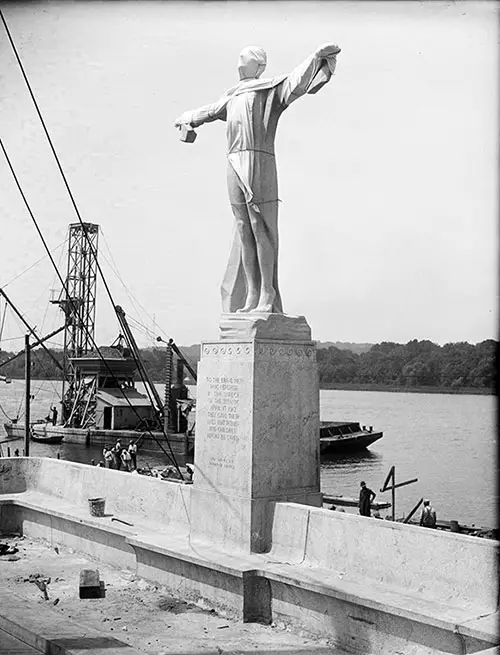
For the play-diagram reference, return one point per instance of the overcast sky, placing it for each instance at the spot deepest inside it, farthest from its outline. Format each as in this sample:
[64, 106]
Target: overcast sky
[388, 176]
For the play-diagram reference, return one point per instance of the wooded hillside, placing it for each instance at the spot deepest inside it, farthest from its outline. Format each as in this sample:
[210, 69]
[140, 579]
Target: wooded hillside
[415, 364]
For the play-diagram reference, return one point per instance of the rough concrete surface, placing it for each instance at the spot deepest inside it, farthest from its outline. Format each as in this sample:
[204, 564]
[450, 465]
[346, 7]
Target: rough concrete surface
[9, 645]
[144, 616]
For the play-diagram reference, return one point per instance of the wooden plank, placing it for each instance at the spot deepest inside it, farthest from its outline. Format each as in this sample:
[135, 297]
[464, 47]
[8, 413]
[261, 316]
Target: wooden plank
[346, 501]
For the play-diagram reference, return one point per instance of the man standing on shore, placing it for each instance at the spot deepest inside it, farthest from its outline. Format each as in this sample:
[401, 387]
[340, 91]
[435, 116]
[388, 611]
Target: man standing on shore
[366, 496]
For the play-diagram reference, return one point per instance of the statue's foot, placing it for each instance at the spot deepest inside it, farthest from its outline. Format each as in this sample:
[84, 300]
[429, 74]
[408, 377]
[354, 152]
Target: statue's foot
[265, 308]
[266, 302]
[250, 304]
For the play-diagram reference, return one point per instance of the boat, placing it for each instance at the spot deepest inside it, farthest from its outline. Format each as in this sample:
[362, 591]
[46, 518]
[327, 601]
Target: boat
[43, 437]
[343, 437]
[15, 430]
[348, 501]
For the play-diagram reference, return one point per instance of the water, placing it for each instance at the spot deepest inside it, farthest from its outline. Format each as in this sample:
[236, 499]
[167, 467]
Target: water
[448, 442]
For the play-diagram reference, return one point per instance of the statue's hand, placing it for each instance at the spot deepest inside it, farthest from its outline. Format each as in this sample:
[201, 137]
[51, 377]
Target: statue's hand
[184, 119]
[328, 50]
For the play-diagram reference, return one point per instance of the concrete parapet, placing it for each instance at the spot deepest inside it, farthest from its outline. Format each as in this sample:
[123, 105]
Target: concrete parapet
[436, 565]
[152, 500]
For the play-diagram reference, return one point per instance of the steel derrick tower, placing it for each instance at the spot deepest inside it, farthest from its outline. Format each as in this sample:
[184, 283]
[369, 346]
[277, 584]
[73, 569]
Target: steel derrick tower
[77, 300]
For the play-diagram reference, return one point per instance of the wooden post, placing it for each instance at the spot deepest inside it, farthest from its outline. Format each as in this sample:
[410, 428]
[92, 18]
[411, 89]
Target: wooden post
[393, 493]
[407, 519]
[27, 380]
[391, 477]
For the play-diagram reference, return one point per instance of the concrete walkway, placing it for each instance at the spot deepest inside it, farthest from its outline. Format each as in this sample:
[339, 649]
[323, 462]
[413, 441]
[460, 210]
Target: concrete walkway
[136, 617]
[9, 645]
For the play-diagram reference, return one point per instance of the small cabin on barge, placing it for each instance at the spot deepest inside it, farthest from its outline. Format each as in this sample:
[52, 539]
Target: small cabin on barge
[121, 409]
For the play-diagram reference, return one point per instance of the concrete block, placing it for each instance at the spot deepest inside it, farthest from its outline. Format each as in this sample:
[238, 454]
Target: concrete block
[90, 584]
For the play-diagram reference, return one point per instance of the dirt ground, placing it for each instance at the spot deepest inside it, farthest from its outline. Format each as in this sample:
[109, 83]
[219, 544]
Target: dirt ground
[144, 615]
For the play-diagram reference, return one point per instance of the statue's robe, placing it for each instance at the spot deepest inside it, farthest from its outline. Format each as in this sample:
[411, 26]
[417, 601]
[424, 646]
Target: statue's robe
[251, 109]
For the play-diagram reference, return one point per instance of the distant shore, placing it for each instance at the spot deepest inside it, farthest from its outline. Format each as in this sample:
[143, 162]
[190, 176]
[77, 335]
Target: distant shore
[372, 386]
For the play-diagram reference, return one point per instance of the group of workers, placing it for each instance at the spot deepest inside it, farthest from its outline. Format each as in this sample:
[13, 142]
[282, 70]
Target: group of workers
[367, 496]
[119, 456]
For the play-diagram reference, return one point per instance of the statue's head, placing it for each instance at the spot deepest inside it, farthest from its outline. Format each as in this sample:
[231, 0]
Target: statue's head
[252, 62]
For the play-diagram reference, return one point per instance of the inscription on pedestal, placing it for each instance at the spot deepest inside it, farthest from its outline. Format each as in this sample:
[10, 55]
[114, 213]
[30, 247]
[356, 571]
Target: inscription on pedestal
[224, 395]
[224, 424]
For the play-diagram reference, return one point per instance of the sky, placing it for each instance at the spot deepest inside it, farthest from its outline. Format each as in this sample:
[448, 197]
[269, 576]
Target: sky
[388, 176]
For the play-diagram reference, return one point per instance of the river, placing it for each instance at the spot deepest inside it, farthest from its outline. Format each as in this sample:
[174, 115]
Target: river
[446, 441]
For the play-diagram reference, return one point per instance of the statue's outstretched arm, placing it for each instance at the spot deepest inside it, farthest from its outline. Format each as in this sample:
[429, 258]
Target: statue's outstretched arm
[300, 80]
[206, 114]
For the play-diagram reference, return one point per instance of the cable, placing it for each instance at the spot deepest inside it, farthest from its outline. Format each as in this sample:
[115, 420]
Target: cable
[172, 456]
[3, 323]
[5, 413]
[91, 247]
[32, 265]
[129, 293]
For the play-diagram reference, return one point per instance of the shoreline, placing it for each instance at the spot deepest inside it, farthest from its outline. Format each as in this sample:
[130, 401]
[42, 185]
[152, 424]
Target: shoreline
[370, 386]
[374, 386]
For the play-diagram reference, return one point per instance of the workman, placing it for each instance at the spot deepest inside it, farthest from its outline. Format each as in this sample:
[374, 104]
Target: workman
[126, 459]
[117, 453]
[108, 458]
[132, 449]
[428, 515]
[366, 496]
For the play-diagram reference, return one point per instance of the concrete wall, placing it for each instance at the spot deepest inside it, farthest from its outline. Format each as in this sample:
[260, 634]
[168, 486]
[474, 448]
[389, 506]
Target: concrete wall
[457, 570]
[452, 568]
[372, 587]
[153, 500]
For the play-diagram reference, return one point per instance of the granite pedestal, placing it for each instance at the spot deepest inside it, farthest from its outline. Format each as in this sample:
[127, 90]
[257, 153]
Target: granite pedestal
[257, 431]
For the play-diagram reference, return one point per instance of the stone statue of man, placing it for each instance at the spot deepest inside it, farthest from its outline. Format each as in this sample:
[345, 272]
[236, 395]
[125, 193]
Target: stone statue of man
[252, 109]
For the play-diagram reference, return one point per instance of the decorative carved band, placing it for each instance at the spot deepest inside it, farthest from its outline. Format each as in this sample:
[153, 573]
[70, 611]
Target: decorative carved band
[245, 350]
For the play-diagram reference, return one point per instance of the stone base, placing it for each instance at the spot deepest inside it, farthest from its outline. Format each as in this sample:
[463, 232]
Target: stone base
[237, 523]
[255, 325]
[257, 437]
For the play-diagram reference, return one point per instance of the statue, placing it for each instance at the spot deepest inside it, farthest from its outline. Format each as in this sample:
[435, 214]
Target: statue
[252, 109]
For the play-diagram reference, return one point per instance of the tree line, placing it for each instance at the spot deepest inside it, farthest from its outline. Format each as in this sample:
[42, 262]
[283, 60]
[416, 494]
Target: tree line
[453, 366]
[414, 364]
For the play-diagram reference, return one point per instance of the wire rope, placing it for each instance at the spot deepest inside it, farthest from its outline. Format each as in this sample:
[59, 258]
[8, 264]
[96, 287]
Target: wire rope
[4, 286]
[129, 293]
[172, 456]
[91, 247]
[5, 413]
[3, 323]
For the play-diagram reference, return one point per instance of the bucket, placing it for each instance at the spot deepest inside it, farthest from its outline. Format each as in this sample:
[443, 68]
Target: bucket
[96, 506]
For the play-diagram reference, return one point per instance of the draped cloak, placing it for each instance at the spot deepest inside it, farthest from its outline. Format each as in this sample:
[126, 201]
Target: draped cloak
[251, 109]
